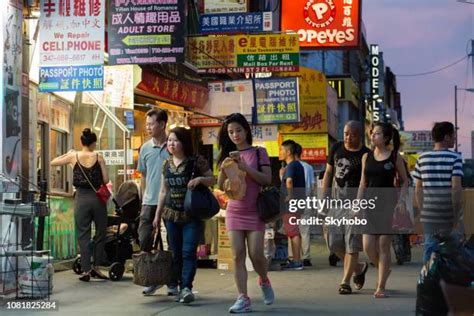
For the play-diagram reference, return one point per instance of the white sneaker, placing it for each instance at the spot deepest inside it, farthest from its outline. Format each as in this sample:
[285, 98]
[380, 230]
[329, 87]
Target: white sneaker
[172, 291]
[241, 305]
[187, 296]
[151, 290]
[267, 292]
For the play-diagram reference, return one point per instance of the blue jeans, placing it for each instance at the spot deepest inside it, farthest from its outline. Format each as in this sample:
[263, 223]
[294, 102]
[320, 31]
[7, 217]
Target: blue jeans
[183, 240]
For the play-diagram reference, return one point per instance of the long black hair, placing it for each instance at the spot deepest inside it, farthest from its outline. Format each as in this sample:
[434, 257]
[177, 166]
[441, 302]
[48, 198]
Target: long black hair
[224, 142]
[390, 134]
[184, 136]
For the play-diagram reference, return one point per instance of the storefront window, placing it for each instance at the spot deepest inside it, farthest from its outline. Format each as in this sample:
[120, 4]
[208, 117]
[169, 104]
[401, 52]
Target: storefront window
[58, 174]
[110, 138]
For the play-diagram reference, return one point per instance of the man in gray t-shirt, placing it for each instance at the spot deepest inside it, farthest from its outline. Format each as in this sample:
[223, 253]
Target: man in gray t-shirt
[153, 153]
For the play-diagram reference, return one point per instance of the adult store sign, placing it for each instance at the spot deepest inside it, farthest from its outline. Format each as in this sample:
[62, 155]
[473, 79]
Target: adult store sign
[146, 32]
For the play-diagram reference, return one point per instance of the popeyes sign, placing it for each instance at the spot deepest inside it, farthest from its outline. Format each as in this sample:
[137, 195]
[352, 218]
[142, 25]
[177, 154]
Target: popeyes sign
[323, 23]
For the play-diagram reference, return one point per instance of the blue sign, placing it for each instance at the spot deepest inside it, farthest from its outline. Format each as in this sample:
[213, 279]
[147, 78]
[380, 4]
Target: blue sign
[236, 22]
[276, 100]
[71, 78]
[129, 121]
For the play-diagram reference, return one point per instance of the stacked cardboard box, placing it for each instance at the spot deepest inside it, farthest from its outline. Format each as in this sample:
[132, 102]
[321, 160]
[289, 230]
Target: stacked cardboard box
[224, 250]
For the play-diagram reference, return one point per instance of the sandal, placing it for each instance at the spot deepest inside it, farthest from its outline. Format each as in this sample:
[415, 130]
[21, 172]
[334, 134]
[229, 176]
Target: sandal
[86, 277]
[345, 289]
[97, 274]
[359, 279]
[380, 294]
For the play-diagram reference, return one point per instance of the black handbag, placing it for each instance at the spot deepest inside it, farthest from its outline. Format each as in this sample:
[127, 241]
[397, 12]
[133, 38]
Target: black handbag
[200, 203]
[268, 200]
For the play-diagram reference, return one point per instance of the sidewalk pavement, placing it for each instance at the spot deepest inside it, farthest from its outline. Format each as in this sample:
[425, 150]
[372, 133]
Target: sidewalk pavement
[312, 291]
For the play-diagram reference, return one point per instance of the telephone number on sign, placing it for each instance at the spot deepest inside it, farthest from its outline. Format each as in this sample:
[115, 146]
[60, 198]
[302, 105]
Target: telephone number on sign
[31, 305]
[64, 58]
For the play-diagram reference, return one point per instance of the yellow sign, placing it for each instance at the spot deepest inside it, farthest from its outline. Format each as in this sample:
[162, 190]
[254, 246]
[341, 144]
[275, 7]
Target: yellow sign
[313, 103]
[244, 53]
[315, 146]
[346, 89]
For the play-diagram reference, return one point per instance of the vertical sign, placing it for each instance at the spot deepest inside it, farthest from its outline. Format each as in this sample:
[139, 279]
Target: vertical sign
[146, 32]
[72, 34]
[374, 82]
[118, 88]
[276, 100]
[11, 43]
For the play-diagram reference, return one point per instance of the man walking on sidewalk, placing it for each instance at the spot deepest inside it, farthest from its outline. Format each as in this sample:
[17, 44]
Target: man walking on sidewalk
[345, 165]
[438, 190]
[292, 187]
[309, 190]
[153, 153]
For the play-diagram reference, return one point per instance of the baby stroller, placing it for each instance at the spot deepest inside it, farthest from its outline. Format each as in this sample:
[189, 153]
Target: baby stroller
[122, 231]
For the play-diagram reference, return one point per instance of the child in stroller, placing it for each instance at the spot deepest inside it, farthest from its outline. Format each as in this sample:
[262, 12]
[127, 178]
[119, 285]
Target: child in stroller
[122, 231]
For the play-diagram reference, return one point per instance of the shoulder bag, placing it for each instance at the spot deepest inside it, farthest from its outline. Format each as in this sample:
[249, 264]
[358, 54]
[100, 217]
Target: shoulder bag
[200, 203]
[155, 267]
[268, 200]
[103, 193]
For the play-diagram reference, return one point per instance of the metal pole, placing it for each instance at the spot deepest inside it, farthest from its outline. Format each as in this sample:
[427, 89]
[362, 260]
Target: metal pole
[456, 115]
[472, 60]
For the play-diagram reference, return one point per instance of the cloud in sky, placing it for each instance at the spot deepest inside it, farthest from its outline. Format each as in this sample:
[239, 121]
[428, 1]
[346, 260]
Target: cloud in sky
[423, 35]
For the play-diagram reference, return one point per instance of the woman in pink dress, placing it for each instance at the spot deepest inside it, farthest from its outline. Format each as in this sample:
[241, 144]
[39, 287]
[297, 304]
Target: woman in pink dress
[242, 222]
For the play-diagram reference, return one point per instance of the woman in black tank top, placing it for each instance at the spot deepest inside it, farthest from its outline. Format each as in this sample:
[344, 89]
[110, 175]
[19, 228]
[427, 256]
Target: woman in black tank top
[379, 168]
[87, 206]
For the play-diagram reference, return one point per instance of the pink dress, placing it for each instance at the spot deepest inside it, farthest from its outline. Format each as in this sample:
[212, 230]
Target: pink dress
[242, 215]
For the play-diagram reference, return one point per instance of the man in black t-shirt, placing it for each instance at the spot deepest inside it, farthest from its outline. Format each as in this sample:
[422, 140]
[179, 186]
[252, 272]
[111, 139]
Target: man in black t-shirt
[345, 167]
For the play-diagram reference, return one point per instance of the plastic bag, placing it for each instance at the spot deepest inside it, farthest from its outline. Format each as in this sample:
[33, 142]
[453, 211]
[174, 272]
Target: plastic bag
[453, 264]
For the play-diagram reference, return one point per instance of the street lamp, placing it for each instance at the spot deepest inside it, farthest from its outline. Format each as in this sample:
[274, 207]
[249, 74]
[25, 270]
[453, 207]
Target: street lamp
[456, 109]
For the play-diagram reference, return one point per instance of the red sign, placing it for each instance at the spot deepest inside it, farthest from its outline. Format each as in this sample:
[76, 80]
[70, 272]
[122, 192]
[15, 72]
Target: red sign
[323, 23]
[203, 121]
[174, 91]
[314, 154]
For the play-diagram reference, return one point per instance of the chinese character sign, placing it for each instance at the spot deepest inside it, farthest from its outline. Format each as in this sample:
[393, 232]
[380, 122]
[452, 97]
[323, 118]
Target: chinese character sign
[323, 23]
[244, 53]
[313, 103]
[146, 32]
[416, 141]
[315, 146]
[179, 92]
[71, 33]
[260, 133]
[235, 22]
[276, 100]
[71, 78]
